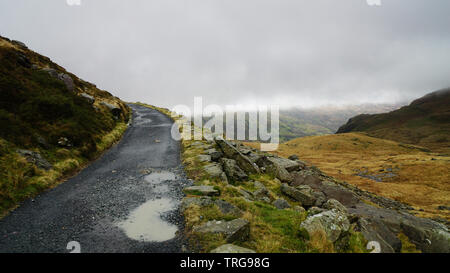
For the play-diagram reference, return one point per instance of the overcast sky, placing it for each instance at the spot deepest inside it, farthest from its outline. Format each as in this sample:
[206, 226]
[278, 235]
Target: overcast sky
[289, 52]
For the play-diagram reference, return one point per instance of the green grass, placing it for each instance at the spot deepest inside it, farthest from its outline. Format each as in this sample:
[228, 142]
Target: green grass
[36, 110]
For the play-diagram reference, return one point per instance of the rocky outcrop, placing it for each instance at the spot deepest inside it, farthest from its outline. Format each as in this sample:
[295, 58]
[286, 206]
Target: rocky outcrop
[230, 248]
[235, 230]
[302, 194]
[115, 110]
[332, 205]
[332, 222]
[427, 235]
[233, 171]
[214, 154]
[231, 152]
[204, 158]
[213, 170]
[227, 208]
[65, 78]
[36, 159]
[281, 204]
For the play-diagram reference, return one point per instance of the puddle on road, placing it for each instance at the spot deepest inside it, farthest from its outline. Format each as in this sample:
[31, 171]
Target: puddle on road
[158, 177]
[145, 222]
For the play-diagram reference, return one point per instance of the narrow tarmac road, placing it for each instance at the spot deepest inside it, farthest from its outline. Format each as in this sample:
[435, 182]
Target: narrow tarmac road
[126, 201]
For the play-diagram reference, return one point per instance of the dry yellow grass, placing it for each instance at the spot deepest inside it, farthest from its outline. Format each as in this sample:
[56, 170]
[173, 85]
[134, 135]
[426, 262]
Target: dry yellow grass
[423, 179]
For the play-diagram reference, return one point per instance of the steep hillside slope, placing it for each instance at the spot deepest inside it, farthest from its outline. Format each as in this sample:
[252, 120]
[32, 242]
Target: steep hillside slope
[425, 122]
[51, 122]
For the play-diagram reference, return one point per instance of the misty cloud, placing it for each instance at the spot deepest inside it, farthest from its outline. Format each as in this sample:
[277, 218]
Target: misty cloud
[290, 52]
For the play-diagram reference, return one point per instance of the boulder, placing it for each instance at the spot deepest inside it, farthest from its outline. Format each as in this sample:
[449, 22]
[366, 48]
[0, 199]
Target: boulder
[299, 209]
[52, 72]
[235, 230]
[332, 222]
[320, 198]
[88, 97]
[315, 210]
[281, 204]
[204, 158]
[36, 159]
[428, 236]
[302, 194]
[247, 195]
[335, 204]
[279, 172]
[262, 194]
[213, 170]
[215, 155]
[293, 157]
[202, 190]
[370, 233]
[233, 153]
[203, 201]
[230, 248]
[289, 165]
[67, 80]
[232, 170]
[114, 109]
[254, 157]
[227, 208]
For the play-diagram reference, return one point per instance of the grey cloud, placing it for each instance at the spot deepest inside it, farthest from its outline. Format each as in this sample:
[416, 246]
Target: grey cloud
[291, 52]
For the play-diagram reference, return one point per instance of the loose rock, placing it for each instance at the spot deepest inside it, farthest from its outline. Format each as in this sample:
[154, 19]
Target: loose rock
[333, 223]
[230, 248]
[202, 190]
[235, 230]
[232, 170]
[281, 204]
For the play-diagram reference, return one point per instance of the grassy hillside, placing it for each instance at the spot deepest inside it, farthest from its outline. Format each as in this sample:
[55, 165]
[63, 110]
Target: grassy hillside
[399, 171]
[60, 120]
[425, 122]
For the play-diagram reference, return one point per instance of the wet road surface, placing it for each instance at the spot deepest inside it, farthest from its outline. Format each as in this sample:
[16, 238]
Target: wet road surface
[126, 201]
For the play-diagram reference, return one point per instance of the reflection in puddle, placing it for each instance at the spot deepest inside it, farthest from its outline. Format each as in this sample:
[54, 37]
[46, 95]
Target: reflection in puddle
[145, 223]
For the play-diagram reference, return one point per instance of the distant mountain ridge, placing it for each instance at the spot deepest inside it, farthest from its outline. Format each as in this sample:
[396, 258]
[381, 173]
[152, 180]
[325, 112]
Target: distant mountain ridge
[424, 122]
[300, 122]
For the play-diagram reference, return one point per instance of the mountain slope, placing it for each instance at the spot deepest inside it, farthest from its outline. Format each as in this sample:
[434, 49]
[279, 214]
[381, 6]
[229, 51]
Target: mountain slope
[387, 168]
[52, 122]
[300, 122]
[425, 122]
